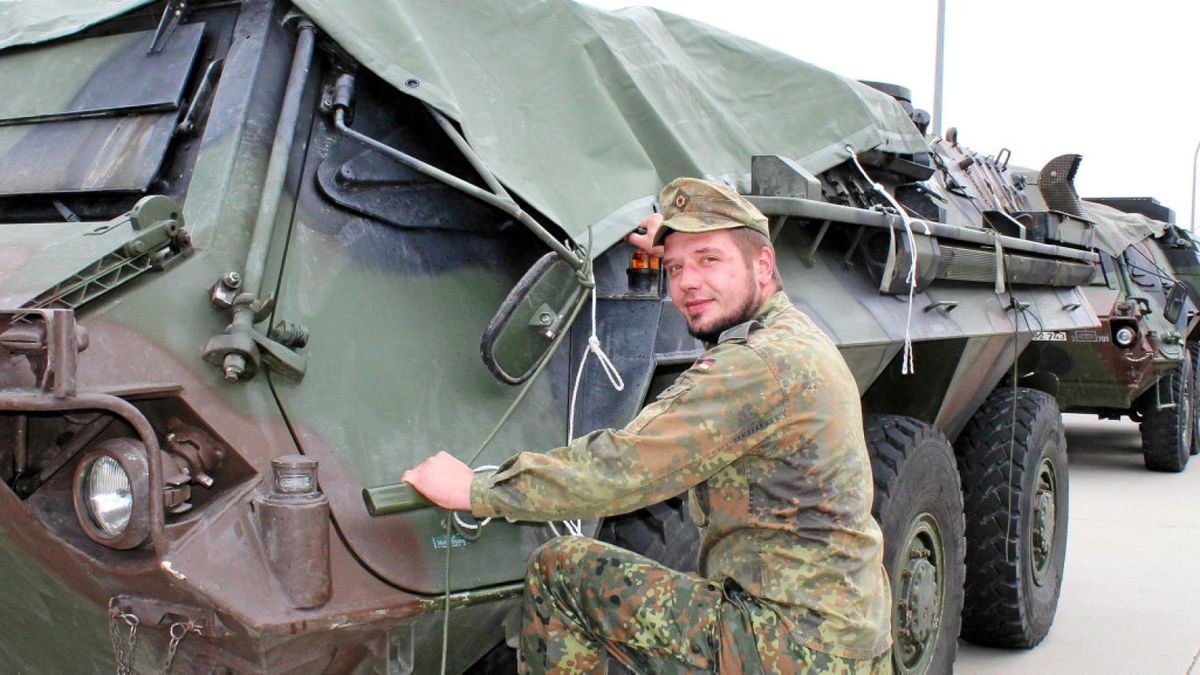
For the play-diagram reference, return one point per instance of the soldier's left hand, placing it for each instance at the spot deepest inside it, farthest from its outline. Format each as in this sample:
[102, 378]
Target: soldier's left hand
[444, 479]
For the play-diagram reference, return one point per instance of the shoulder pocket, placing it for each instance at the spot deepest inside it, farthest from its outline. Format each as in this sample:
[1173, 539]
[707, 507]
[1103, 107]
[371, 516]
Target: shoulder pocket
[681, 385]
[660, 405]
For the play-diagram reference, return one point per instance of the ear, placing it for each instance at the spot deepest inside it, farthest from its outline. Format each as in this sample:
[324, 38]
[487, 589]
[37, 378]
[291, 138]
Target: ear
[764, 266]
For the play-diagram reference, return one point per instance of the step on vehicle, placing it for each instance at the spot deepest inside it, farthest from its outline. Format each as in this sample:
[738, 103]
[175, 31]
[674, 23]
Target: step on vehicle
[248, 251]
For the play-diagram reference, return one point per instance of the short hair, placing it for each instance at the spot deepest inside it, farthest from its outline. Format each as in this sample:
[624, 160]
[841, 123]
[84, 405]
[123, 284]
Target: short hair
[750, 242]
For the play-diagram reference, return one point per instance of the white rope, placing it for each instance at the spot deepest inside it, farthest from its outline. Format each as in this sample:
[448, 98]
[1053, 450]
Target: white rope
[907, 364]
[614, 377]
[575, 527]
[479, 525]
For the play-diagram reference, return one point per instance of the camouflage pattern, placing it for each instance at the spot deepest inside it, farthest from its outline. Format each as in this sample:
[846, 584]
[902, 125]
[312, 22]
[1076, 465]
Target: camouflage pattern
[765, 430]
[585, 598]
[695, 205]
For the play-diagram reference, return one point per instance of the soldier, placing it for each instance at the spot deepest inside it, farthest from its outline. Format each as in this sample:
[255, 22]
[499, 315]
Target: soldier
[765, 430]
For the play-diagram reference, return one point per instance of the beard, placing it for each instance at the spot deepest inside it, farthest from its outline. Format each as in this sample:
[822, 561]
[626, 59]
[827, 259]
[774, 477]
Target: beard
[710, 332]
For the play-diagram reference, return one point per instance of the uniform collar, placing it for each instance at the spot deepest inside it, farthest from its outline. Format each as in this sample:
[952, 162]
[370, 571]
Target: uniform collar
[767, 311]
[772, 307]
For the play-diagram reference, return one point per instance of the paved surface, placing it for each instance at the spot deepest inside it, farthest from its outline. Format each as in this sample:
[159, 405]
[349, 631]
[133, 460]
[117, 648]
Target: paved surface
[1130, 600]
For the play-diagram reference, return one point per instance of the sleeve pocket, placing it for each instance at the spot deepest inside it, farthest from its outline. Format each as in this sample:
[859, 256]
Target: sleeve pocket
[661, 404]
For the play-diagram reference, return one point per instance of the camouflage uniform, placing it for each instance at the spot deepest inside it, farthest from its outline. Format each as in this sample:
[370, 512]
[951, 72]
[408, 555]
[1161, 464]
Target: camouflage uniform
[765, 430]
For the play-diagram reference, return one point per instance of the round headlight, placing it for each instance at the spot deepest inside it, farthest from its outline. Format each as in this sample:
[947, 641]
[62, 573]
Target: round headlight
[1125, 336]
[110, 490]
[107, 495]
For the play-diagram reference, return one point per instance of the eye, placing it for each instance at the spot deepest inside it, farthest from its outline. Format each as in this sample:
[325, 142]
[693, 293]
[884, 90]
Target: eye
[672, 268]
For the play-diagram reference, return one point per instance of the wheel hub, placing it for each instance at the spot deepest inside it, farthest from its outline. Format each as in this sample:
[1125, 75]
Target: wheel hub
[918, 590]
[1044, 518]
[1185, 417]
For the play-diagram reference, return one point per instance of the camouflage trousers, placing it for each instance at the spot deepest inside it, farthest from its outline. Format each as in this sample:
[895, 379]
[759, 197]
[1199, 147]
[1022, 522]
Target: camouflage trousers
[584, 598]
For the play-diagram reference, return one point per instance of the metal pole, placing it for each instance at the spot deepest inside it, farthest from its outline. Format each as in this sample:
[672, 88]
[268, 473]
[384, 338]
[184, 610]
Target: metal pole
[1192, 204]
[937, 69]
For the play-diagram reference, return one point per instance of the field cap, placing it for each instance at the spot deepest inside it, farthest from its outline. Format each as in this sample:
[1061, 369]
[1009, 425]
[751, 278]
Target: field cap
[695, 205]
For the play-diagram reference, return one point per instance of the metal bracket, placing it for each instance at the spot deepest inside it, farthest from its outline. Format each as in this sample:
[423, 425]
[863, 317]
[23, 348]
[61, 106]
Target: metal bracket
[810, 256]
[167, 24]
[248, 347]
[199, 102]
[161, 243]
[160, 614]
[52, 346]
[254, 349]
[944, 306]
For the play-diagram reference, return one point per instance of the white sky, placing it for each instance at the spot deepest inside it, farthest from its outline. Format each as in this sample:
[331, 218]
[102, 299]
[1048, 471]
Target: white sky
[1115, 81]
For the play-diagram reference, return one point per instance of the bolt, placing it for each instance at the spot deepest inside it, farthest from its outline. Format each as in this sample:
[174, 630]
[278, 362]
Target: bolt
[232, 280]
[235, 366]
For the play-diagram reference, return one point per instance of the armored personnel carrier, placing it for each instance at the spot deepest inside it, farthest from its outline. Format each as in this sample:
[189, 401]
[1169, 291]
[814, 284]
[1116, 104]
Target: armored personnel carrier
[1141, 362]
[248, 251]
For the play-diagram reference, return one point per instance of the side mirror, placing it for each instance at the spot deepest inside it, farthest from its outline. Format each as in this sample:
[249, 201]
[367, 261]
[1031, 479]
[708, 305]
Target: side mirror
[521, 334]
[1176, 299]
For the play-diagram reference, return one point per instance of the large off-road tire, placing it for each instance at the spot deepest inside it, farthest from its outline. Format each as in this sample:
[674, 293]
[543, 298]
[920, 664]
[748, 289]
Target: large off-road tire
[1194, 357]
[1167, 426]
[918, 503]
[662, 532]
[1015, 491]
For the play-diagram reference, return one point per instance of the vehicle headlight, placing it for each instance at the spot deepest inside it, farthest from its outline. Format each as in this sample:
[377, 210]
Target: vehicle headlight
[1125, 336]
[110, 491]
[107, 494]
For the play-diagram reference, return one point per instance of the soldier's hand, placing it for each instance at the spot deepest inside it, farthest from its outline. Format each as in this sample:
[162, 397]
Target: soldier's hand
[646, 241]
[444, 480]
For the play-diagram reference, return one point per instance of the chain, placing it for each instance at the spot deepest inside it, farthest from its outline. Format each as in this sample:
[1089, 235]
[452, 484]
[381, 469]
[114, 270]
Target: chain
[122, 649]
[123, 645]
[179, 630]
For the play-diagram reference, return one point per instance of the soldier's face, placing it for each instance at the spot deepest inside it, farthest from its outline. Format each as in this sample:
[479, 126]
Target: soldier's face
[714, 285]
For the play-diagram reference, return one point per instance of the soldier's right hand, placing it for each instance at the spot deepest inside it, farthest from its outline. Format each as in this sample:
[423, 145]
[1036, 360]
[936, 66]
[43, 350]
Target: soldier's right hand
[444, 480]
[645, 241]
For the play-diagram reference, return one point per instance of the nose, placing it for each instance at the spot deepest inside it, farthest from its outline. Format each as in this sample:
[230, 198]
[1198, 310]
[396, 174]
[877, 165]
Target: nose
[685, 278]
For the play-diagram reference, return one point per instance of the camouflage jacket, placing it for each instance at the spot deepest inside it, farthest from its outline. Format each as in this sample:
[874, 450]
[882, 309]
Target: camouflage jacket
[766, 431]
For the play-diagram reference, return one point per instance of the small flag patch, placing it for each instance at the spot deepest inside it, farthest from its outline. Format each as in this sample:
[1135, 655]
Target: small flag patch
[704, 364]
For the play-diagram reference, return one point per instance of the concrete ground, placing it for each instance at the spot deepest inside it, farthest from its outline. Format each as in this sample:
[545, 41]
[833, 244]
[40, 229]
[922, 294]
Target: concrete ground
[1130, 599]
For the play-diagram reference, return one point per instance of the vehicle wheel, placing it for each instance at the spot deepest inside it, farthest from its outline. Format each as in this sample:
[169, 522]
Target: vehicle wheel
[1013, 460]
[662, 532]
[918, 503]
[1194, 357]
[1167, 431]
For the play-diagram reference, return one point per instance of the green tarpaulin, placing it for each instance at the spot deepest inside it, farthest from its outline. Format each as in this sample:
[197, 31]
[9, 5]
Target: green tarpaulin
[1117, 230]
[583, 113]
[26, 22]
